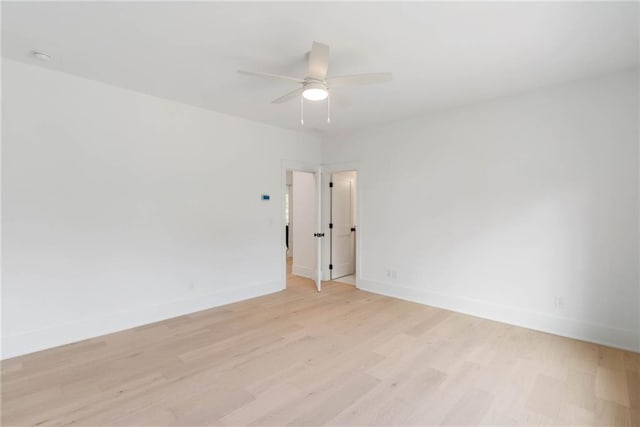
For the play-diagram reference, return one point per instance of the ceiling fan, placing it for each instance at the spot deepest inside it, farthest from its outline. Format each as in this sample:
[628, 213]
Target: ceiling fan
[316, 86]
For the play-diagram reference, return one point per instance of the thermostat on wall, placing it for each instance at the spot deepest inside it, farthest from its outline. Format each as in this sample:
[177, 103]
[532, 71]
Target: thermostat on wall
[266, 197]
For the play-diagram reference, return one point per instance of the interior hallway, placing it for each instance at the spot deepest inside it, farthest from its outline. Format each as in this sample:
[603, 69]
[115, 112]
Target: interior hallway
[348, 280]
[294, 281]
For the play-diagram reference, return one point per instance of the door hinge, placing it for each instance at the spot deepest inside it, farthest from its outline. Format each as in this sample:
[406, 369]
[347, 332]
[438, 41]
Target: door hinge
[331, 185]
[330, 225]
[318, 234]
[330, 266]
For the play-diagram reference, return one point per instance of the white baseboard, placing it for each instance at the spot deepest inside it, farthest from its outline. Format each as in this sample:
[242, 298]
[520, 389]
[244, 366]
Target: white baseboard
[581, 330]
[29, 342]
[58, 335]
[299, 270]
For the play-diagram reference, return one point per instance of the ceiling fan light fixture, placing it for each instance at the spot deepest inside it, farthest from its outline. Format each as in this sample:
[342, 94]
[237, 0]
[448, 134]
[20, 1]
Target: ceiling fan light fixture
[315, 93]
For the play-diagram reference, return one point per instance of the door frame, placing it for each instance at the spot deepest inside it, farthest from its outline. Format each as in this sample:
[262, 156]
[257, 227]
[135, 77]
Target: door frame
[328, 170]
[316, 170]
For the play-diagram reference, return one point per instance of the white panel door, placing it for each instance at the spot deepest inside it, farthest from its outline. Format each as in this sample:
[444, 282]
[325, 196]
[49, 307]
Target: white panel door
[343, 255]
[305, 219]
[318, 204]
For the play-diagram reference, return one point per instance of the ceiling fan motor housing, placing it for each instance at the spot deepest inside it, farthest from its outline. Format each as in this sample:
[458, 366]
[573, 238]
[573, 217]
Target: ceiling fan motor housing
[315, 90]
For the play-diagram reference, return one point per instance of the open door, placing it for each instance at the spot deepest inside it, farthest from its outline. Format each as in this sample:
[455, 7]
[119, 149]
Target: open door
[320, 234]
[306, 230]
[342, 225]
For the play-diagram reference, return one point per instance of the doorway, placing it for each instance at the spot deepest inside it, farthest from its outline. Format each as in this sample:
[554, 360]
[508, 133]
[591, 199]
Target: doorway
[342, 227]
[301, 222]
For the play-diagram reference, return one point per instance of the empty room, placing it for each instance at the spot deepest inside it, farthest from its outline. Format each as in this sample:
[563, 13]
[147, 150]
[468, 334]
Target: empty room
[320, 213]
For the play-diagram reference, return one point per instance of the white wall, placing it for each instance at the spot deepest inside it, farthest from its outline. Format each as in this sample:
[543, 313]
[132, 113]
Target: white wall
[523, 210]
[118, 209]
[304, 218]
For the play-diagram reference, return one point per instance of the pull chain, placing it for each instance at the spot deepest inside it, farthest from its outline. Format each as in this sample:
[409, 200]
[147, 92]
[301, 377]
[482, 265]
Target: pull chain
[302, 110]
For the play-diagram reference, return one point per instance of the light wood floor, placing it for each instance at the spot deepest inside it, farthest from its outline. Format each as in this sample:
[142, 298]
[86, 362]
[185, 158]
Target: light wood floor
[341, 357]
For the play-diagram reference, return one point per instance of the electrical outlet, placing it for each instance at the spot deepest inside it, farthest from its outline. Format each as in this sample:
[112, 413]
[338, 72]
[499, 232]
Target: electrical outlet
[394, 274]
[191, 285]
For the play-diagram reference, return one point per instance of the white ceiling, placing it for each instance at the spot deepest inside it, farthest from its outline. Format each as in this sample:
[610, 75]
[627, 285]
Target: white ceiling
[441, 54]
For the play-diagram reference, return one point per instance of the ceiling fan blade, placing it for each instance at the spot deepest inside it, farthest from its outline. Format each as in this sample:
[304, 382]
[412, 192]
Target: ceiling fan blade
[318, 61]
[339, 98]
[270, 75]
[288, 96]
[359, 79]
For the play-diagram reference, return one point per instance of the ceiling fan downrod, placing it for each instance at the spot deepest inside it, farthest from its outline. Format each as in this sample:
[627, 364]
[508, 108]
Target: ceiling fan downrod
[301, 110]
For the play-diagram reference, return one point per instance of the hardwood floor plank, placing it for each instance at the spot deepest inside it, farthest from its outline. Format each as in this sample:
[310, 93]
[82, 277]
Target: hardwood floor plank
[339, 357]
[611, 385]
